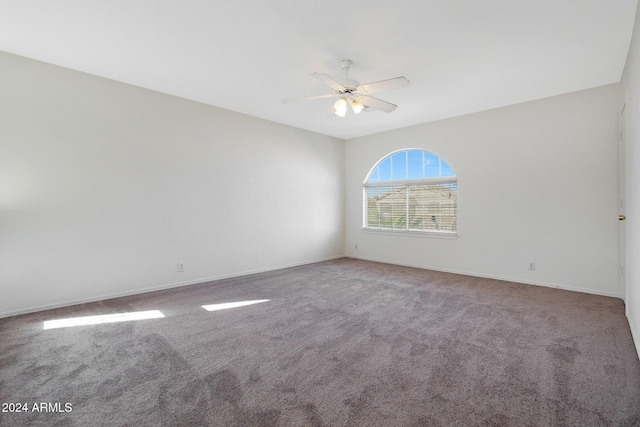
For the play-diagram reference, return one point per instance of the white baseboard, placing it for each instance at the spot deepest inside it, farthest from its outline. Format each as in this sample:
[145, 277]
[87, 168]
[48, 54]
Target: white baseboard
[488, 276]
[157, 288]
[279, 267]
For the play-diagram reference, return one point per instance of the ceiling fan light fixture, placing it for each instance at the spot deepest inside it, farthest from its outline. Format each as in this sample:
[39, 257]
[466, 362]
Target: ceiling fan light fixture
[341, 107]
[356, 106]
[351, 92]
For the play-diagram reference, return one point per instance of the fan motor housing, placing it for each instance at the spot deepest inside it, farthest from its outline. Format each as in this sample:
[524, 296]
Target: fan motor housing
[350, 85]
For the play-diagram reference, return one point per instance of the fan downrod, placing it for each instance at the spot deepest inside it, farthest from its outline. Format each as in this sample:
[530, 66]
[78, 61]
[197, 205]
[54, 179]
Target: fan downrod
[350, 85]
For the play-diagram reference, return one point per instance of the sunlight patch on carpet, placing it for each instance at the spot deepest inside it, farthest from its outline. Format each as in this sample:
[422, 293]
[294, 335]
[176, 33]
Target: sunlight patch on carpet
[225, 305]
[104, 318]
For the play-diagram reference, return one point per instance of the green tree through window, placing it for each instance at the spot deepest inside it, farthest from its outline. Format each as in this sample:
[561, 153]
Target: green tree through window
[411, 190]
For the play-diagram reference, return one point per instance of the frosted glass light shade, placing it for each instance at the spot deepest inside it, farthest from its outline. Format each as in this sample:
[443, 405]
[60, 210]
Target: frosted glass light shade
[341, 107]
[356, 106]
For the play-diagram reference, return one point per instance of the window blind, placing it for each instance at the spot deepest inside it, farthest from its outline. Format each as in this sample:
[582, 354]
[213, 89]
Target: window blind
[421, 205]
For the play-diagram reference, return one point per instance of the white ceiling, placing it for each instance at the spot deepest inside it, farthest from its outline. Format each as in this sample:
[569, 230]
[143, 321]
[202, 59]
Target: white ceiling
[461, 56]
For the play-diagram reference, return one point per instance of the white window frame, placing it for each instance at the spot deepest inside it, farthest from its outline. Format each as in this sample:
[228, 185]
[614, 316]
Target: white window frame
[406, 186]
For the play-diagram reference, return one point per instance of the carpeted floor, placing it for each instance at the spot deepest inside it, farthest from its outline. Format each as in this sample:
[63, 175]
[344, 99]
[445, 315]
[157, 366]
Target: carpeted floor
[339, 343]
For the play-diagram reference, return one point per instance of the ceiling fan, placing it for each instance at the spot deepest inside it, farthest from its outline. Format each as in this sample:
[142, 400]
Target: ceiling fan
[351, 92]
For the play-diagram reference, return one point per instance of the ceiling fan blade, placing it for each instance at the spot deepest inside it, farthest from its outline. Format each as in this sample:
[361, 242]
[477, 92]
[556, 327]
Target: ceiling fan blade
[383, 85]
[377, 104]
[308, 98]
[329, 81]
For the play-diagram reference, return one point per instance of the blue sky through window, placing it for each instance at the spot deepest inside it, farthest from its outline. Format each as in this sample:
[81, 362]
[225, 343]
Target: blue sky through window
[411, 164]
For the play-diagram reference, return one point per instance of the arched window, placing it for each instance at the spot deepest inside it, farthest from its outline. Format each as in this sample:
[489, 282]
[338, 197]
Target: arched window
[411, 190]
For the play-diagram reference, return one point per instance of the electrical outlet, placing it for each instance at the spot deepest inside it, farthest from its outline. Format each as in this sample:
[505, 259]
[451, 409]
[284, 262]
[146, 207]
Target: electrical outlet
[532, 265]
[180, 267]
[356, 246]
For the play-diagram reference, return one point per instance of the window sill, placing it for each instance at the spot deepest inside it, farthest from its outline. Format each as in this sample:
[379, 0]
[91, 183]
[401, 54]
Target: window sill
[410, 233]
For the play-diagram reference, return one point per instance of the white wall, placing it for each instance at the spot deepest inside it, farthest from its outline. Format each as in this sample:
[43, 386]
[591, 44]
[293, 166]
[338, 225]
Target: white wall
[631, 83]
[537, 182]
[105, 187]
